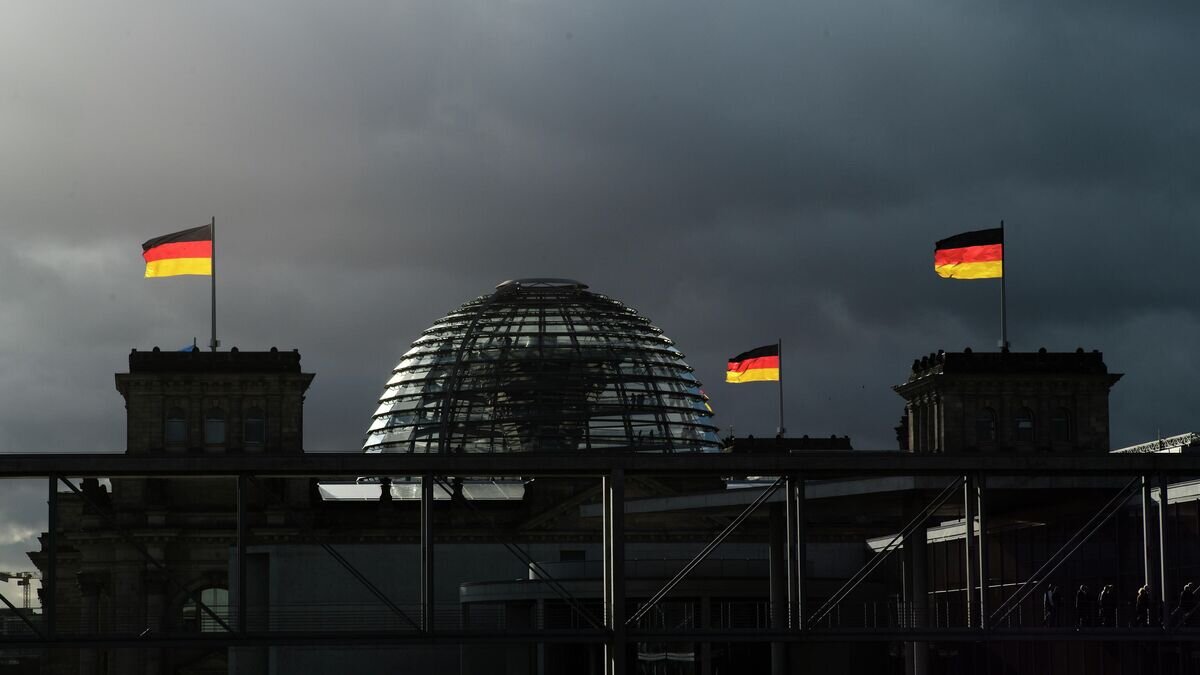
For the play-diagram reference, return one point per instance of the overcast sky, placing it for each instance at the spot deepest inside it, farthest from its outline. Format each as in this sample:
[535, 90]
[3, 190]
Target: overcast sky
[737, 172]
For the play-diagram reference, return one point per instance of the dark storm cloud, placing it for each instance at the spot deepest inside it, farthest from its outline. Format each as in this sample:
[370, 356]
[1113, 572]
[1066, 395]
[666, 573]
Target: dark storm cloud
[737, 173]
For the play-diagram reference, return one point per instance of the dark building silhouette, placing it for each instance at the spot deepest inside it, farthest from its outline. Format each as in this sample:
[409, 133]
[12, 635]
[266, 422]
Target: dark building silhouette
[545, 365]
[1007, 401]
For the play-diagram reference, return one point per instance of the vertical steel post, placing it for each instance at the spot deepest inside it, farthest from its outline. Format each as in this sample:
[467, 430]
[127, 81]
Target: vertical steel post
[243, 592]
[919, 540]
[969, 552]
[795, 550]
[50, 582]
[613, 489]
[1163, 605]
[801, 556]
[1147, 533]
[778, 576]
[984, 572]
[427, 595]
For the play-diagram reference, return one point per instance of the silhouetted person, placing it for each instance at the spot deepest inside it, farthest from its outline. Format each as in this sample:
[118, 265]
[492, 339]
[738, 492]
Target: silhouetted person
[1108, 606]
[1141, 607]
[1050, 602]
[1189, 617]
[1187, 601]
[1083, 606]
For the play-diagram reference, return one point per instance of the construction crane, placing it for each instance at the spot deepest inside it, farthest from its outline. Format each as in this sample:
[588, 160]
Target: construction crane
[23, 580]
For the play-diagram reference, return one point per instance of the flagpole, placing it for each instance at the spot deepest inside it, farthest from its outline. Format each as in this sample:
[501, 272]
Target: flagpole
[213, 231]
[779, 346]
[1003, 291]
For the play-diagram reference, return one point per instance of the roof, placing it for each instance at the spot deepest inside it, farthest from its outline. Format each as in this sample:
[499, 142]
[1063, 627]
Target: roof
[1006, 363]
[197, 361]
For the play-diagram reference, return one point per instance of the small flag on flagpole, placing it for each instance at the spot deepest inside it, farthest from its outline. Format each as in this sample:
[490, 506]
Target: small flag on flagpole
[971, 255]
[756, 365]
[179, 253]
[190, 251]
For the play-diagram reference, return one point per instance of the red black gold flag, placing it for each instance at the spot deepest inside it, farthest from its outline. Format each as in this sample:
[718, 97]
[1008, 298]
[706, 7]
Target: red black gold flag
[186, 252]
[971, 255]
[756, 365]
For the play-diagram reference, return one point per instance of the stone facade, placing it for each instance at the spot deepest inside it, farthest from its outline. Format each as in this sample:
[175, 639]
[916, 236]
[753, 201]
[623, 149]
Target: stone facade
[176, 401]
[1007, 402]
[136, 558]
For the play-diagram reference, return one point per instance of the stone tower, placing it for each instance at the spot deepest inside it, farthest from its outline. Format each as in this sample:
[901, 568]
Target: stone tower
[214, 402]
[147, 553]
[1007, 402]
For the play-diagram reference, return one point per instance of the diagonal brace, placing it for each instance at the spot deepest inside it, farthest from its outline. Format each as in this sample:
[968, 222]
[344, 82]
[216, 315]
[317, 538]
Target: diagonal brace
[883, 553]
[24, 617]
[346, 564]
[520, 554]
[1093, 525]
[703, 554]
[129, 539]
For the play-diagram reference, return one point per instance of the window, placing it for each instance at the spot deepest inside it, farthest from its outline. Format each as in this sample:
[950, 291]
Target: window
[1024, 425]
[1060, 426]
[254, 429]
[195, 618]
[985, 426]
[214, 426]
[175, 430]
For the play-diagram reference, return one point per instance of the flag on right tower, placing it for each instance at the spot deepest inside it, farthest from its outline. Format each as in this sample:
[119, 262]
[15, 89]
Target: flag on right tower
[971, 255]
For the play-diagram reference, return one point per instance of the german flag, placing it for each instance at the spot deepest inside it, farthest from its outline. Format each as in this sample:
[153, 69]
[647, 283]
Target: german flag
[971, 255]
[186, 252]
[756, 365]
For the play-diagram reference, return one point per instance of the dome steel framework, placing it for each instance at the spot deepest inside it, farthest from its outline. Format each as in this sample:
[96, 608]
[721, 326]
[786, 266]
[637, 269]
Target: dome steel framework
[542, 365]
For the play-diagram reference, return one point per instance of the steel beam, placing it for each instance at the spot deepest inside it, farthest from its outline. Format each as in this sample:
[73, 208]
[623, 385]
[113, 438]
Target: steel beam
[706, 551]
[23, 615]
[970, 552]
[1163, 605]
[1148, 539]
[528, 561]
[813, 464]
[616, 646]
[50, 579]
[778, 573]
[569, 636]
[267, 493]
[877, 560]
[797, 552]
[984, 571]
[367, 584]
[428, 599]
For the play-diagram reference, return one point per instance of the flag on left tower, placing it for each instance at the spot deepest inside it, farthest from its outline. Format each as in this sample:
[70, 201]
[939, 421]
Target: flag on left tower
[184, 252]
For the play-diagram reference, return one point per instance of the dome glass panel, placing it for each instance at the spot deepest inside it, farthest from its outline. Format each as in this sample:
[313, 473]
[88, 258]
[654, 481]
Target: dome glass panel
[542, 365]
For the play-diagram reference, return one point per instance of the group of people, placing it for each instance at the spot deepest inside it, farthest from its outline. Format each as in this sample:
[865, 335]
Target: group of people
[1103, 607]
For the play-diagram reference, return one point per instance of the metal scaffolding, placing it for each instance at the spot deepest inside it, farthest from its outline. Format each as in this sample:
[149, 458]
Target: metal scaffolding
[620, 631]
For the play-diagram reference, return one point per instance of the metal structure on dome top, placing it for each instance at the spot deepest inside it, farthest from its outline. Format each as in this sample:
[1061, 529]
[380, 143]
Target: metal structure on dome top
[542, 365]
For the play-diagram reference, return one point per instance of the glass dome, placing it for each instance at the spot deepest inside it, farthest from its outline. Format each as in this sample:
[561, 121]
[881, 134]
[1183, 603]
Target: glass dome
[542, 365]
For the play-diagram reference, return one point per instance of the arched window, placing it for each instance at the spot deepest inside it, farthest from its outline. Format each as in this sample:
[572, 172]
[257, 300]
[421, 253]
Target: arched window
[1023, 424]
[175, 429]
[214, 426]
[195, 618]
[254, 429]
[1060, 426]
[985, 426]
